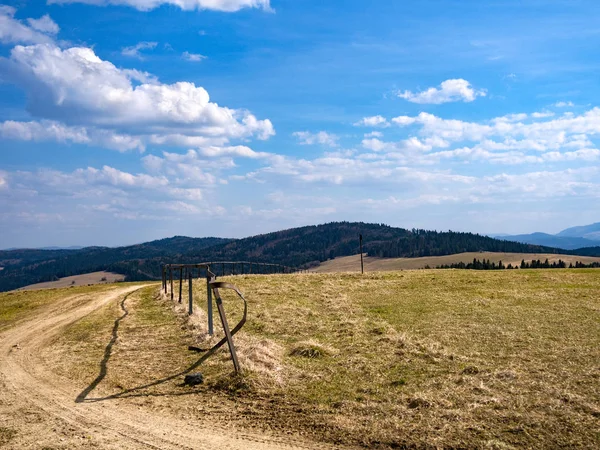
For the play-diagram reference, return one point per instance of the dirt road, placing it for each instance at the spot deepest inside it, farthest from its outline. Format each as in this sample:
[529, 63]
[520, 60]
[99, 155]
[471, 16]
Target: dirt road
[38, 409]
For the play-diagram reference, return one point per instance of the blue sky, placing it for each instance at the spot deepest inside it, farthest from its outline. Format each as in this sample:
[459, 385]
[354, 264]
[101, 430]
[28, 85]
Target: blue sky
[123, 121]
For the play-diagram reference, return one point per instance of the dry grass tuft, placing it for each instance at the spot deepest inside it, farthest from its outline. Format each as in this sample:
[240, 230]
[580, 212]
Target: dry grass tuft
[261, 357]
[311, 349]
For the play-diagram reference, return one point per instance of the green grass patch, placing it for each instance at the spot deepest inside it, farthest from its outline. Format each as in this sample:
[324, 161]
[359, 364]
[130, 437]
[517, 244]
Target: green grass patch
[16, 306]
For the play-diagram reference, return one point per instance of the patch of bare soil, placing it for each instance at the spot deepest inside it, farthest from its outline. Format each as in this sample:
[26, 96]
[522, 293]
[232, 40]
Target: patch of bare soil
[40, 409]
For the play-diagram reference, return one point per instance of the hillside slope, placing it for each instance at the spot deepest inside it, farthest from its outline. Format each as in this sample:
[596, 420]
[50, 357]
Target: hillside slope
[371, 264]
[551, 240]
[297, 247]
[591, 231]
[27, 266]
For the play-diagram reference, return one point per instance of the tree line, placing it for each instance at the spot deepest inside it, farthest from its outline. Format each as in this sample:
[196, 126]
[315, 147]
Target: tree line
[476, 264]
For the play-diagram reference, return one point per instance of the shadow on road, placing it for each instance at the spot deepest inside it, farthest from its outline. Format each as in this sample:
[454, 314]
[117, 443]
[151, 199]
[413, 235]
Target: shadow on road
[133, 392]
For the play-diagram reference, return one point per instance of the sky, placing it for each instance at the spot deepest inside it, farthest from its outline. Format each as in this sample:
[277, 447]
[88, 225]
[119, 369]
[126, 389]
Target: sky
[123, 121]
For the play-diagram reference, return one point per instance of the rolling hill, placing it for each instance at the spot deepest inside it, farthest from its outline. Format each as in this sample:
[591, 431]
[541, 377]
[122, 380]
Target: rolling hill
[297, 247]
[372, 264]
[570, 238]
[591, 232]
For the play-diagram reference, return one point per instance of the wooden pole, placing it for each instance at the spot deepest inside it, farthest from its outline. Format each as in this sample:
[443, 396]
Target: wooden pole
[171, 280]
[191, 298]
[221, 310]
[180, 282]
[362, 267]
[209, 305]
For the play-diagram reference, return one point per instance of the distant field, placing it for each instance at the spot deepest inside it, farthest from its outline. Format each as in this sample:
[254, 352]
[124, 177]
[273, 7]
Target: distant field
[352, 263]
[77, 280]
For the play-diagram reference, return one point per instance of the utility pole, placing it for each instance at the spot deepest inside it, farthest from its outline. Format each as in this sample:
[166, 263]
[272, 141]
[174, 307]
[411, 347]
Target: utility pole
[362, 267]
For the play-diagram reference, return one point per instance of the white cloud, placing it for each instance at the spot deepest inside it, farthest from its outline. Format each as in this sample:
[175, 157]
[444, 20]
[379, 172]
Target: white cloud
[193, 57]
[49, 130]
[448, 91]
[114, 177]
[14, 31]
[237, 150]
[403, 120]
[322, 137]
[376, 134]
[44, 24]
[81, 91]
[564, 104]
[542, 115]
[187, 194]
[373, 121]
[134, 50]
[146, 5]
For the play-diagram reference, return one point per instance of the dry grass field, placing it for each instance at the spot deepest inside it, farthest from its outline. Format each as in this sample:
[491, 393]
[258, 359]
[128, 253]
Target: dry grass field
[352, 263]
[411, 359]
[77, 280]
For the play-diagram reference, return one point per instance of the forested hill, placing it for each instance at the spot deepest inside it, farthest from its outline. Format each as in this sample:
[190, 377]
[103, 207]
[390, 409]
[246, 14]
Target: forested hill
[27, 266]
[300, 247]
[297, 247]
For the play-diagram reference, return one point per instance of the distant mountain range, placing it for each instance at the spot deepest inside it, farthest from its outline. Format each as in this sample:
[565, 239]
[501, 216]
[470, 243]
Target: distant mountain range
[297, 247]
[569, 239]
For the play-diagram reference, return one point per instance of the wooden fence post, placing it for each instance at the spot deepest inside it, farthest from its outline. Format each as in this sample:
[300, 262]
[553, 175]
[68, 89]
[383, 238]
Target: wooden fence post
[221, 310]
[191, 298]
[180, 282]
[209, 305]
[171, 280]
[362, 267]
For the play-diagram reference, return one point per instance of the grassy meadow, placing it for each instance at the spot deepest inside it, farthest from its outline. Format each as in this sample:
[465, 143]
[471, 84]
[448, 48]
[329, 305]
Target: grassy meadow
[372, 264]
[16, 306]
[454, 358]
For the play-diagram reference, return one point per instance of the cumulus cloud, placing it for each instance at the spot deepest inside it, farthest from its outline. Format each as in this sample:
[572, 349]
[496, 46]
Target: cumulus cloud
[134, 50]
[509, 139]
[80, 90]
[44, 24]
[322, 137]
[13, 31]
[146, 5]
[449, 91]
[373, 121]
[564, 104]
[50, 130]
[193, 57]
